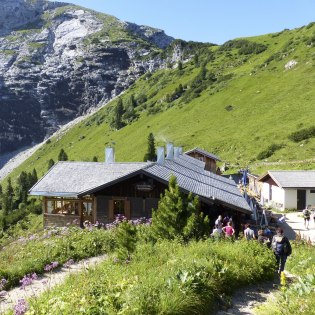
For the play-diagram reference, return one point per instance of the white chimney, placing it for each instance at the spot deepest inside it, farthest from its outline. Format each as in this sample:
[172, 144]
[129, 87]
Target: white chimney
[170, 151]
[180, 150]
[160, 156]
[109, 155]
[176, 151]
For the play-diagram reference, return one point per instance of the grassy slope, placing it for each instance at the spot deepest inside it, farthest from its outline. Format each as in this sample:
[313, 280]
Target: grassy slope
[269, 103]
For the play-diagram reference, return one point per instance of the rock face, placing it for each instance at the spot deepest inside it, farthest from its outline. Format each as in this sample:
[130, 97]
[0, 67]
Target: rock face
[57, 61]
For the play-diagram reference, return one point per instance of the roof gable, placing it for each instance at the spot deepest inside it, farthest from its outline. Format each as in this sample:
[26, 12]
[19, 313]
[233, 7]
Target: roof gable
[203, 152]
[291, 179]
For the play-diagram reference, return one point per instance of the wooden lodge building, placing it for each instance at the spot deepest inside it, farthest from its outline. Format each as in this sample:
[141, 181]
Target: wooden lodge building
[94, 191]
[204, 156]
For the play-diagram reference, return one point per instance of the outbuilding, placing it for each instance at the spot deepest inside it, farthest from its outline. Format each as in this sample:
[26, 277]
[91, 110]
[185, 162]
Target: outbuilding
[288, 189]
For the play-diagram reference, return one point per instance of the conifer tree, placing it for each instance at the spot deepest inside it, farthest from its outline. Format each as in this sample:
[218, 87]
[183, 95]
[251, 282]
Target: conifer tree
[180, 66]
[169, 219]
[34, 177]
[178, 215]
[117, 117]
[51, 163]
[7, 198]
[62, 156]
[23, 184]
[94, 159]
[150, 154]
[126, 238]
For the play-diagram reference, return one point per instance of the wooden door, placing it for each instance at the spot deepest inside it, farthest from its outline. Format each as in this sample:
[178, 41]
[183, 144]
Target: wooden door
[301, 199]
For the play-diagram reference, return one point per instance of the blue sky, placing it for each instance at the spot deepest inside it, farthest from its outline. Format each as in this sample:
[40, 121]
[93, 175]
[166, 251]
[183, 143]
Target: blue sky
[213, 21]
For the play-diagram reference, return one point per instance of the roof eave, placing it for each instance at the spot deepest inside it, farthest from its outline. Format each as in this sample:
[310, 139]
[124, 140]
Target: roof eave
[53, 194]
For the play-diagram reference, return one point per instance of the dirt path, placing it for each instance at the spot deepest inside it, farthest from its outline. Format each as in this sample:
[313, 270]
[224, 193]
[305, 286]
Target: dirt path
[249, 297]
[246, 299]
[45, 282]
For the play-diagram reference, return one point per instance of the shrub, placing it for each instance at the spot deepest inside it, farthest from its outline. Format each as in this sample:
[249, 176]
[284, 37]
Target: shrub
[302, 134]
[245, 47]
[269, 151]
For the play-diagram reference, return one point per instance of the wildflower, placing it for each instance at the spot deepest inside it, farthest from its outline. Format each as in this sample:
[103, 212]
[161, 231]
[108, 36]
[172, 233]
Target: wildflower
[20, 308]
[3, 294]
[68, 263]
[51, 266]
[27, 280]
[54, 264]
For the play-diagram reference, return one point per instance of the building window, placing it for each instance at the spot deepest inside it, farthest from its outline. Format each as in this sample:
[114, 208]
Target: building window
[312, 191]
[87, 208]
[119, 207]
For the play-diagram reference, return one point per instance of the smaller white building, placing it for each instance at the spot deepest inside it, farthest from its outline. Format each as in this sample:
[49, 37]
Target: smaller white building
[288, 189]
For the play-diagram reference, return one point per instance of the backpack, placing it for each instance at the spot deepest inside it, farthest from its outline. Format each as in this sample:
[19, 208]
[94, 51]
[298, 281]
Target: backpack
[306, 213]
[281, 246]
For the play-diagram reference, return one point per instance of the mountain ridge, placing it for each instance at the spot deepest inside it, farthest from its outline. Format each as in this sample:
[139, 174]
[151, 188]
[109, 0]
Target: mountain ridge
[62, 62]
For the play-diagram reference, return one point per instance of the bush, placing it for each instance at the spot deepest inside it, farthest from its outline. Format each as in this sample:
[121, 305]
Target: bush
[269, 151]
[302, 134]
[245, 47]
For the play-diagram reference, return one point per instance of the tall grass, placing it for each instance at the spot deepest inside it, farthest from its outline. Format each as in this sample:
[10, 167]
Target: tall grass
[168, 278]
[295, 297]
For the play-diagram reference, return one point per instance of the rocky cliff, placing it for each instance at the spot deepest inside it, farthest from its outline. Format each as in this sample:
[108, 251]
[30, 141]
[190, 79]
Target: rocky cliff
[58, 60]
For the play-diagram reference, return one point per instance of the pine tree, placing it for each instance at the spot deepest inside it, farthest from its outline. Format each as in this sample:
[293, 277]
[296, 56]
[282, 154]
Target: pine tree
[117, 117]
[34, 177]
[23, 184]
[62, 156]
[126, 238]
[169, 220]
[7, 198]
[94, 159]
[178, 215]
[51, 163]
[150, 154]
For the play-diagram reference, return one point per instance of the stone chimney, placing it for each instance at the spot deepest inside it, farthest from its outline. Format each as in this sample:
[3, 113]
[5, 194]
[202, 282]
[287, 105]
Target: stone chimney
[109, 155]
[160, 156]
[170, 151]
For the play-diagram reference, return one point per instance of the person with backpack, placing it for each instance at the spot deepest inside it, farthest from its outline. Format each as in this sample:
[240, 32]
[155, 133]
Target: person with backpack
[282, 249]
[249, 233]
[307, 216]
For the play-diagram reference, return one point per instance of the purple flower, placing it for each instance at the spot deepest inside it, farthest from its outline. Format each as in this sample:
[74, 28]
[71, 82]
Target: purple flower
[3, 294]
[68, 263]
[48, 267]
[3, 282]
[20, 308]
[51, 266]
[27, 280]
[54, 264]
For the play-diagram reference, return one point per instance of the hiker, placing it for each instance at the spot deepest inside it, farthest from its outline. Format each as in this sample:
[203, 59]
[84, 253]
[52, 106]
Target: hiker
[306, 216]
[217, 232]
[262, 238]
[218, 222]
[249, 233]
[267, 232]
[228, 230]
[226, 220]
[281, 248]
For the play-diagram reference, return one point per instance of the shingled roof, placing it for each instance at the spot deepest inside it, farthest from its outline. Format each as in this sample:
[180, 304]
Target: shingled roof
[205, 153]
[73, 179]
[69, 179]
[291, 179]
